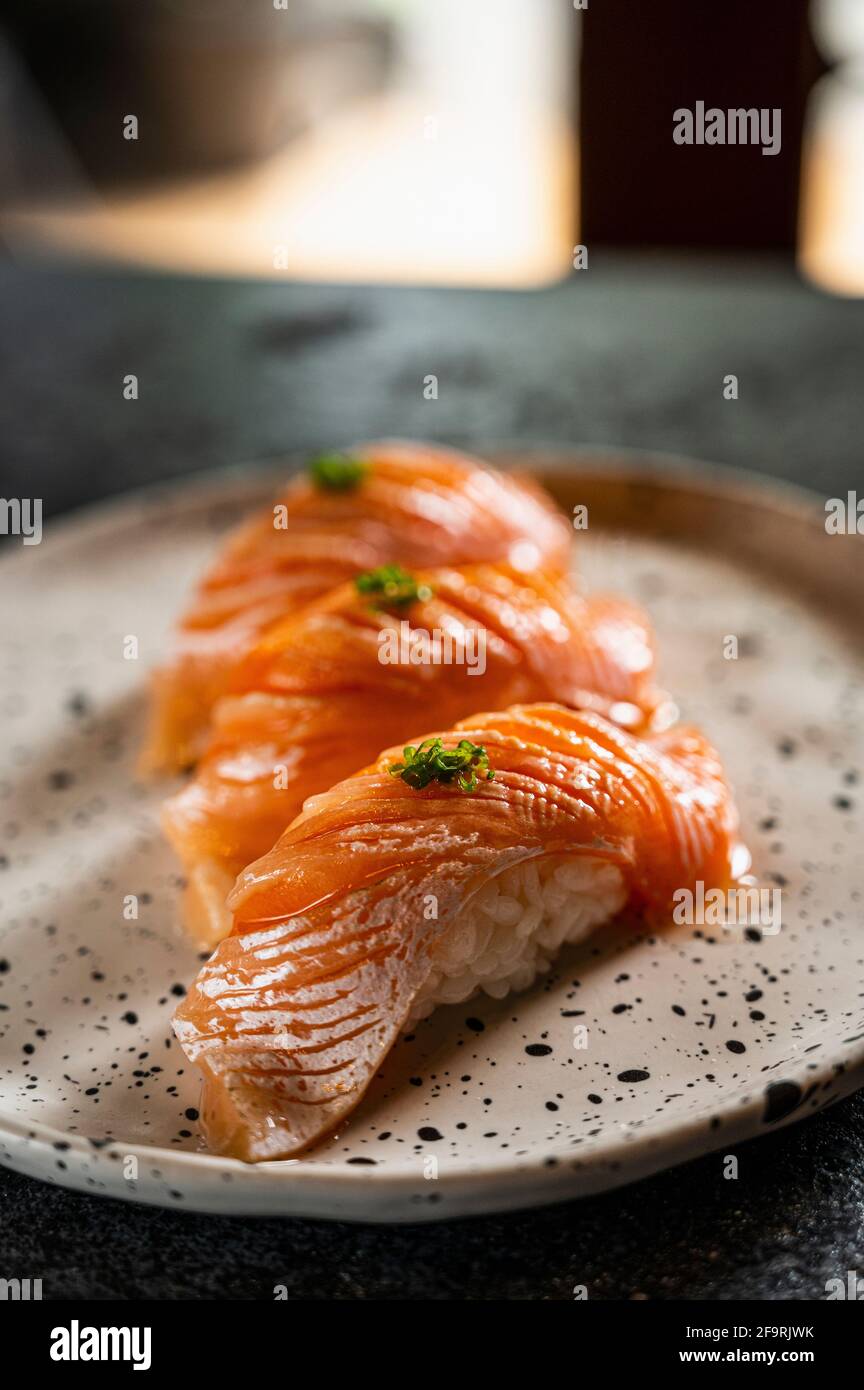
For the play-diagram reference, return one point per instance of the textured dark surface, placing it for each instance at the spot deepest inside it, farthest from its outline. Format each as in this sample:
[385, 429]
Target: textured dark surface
[629, 353]
[791, 1221]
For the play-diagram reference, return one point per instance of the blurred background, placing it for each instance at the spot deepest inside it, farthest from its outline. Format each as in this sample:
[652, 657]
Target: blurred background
[409, 141]
[383, 140]
[198, 191]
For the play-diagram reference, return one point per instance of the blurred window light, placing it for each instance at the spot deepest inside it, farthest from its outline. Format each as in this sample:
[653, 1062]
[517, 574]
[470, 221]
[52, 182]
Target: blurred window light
[452, 162]
[831, 242]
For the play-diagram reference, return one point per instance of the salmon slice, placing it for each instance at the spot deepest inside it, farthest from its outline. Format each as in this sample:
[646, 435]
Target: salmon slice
[383, 899]
[413, 503]
[323, 691]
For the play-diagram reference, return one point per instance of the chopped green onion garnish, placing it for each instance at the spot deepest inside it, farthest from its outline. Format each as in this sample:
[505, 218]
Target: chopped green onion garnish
[431, 762]
[392, 586]
[336, 472]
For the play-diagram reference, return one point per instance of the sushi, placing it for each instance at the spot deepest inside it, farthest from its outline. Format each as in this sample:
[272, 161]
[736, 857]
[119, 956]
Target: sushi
[373, 663]
[458, 864]
[384, 502]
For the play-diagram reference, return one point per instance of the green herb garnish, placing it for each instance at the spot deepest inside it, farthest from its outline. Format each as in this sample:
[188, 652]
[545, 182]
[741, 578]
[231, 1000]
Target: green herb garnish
[431, 762]
[336, 472]
[392, 586]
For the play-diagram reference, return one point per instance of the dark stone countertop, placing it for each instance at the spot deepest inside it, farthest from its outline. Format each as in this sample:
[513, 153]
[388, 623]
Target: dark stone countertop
[632, 352]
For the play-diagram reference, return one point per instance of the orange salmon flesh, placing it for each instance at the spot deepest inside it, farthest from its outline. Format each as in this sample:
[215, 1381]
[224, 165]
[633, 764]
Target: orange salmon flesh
[331, 946]
[416, 504]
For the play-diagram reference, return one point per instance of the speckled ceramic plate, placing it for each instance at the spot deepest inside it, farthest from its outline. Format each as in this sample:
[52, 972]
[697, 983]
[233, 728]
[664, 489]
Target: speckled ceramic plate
[697, 1039]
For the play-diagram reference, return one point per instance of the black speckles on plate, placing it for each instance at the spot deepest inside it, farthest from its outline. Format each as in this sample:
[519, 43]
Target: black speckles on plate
[781, 1099]
[623, 1047]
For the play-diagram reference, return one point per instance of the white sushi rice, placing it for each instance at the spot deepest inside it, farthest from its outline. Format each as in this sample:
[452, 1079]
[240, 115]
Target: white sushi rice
[513, 926]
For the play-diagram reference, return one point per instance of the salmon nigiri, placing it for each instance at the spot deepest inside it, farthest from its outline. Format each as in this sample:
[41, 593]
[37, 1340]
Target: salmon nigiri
[371, 664]
[389, 501]
[459, 864]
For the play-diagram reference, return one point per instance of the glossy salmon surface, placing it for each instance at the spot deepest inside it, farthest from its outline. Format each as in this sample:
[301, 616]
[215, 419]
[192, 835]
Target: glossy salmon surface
[331, 939]
[323, 691]
[416, 504]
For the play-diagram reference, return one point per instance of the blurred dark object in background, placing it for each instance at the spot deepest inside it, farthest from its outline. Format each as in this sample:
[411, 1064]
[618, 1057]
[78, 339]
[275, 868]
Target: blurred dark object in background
[441, 142]
[643, 60]
[212, 82]
[350, 140]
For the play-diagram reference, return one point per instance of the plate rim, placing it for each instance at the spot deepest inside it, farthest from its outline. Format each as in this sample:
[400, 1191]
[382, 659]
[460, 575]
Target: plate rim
[292, 1179]
[732, 481]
